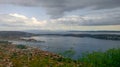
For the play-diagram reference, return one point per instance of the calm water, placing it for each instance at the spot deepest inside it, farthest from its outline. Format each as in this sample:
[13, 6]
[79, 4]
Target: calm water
[79, 45]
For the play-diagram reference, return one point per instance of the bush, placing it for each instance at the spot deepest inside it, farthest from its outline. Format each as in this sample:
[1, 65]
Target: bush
[110, 58]
[68, 53]
[21, 46]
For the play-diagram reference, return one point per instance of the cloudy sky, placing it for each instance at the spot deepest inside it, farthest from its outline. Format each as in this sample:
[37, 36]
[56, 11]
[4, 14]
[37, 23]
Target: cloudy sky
[60, 15]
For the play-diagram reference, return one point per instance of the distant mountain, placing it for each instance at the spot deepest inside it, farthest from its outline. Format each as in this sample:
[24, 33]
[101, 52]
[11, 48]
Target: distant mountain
[14, 34]
[108, 35]
[71, 32]
[96, 31]
[46, 32]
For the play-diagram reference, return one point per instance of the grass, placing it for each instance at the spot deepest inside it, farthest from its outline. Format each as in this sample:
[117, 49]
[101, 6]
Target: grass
[18, 56]
[110, 58]
[22, 56]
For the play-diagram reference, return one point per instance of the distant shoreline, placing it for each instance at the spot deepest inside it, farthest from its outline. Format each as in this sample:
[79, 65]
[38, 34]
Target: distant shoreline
[18, 35]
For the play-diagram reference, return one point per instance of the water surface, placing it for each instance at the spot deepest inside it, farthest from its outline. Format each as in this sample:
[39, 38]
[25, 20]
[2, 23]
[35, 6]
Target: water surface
[79, 45]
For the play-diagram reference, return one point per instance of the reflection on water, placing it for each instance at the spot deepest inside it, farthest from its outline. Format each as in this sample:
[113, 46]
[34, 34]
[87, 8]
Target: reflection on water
[58, 43]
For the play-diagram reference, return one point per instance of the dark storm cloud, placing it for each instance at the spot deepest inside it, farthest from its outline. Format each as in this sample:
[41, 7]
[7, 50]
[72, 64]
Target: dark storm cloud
[57, 8]
[99, 18]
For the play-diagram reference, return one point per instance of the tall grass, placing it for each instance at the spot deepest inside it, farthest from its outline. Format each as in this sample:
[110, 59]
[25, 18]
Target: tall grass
[110, 58]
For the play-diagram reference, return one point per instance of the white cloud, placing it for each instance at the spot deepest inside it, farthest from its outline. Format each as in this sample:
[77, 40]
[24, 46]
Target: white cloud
[90, 21]
[18, 16]
[19, 21]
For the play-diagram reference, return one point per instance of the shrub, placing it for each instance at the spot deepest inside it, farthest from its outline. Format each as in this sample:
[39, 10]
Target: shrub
[110, 58]
[21, 46]
[68, 53]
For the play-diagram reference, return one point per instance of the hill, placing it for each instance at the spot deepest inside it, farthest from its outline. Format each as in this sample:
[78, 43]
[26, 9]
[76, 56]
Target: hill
[14, 34]
[24, 56]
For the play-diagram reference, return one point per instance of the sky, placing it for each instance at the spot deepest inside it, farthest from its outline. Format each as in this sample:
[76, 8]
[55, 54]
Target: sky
[81, 15]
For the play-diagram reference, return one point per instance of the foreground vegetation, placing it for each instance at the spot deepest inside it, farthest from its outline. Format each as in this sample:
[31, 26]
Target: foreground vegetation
[110, 58]
[23, 56]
